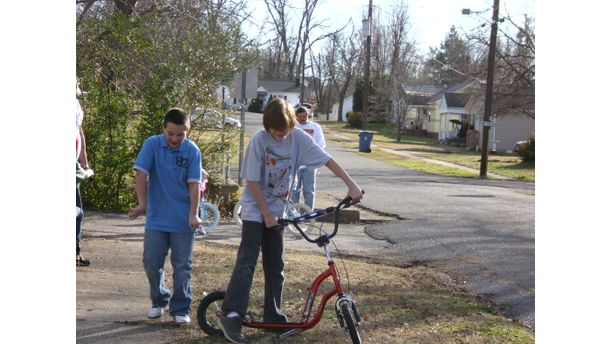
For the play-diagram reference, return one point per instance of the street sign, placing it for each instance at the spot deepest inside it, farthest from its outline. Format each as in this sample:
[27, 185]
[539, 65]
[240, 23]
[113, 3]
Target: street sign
[489, 124]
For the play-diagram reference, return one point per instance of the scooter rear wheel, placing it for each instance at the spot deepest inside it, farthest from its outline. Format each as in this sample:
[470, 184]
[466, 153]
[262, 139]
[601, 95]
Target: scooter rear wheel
[209, 312]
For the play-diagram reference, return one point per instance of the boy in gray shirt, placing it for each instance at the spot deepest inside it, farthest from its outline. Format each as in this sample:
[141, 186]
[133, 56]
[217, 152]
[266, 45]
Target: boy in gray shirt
[270, 165]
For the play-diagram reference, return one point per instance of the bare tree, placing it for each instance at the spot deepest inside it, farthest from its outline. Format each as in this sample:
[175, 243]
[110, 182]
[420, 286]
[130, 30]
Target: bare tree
[393, 63]
[344, 62]
[514, 85]
[515, 73]
[403, 62]
[280, 51]
[290, 49]
[321, 81]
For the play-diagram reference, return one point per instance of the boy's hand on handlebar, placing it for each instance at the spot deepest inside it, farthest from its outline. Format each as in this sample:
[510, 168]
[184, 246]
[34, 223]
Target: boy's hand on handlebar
[355, 193]
[270, 221]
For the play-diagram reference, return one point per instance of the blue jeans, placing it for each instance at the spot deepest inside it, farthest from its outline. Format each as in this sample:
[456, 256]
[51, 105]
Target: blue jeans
[306, 179]
[156, 245]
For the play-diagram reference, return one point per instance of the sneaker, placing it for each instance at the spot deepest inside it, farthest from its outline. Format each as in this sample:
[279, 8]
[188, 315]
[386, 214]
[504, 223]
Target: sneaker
[155, 312]
[182, 319]
[80, 261]
[231, 329]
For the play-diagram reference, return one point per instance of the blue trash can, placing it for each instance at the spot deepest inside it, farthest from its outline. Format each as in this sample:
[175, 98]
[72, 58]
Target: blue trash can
[365, 137]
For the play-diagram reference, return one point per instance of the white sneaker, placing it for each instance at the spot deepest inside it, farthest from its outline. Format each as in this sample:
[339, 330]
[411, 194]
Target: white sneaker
[182, 319]
[155, 312]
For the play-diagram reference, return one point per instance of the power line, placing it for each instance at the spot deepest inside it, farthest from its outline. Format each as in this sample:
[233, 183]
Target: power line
[447, 66]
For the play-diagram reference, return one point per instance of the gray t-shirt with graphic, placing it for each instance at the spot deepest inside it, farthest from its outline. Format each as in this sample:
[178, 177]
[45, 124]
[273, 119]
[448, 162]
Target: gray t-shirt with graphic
[273, 163]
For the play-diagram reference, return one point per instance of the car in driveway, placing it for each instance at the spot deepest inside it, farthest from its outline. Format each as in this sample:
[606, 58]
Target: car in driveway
[212, 118]
[519, 145]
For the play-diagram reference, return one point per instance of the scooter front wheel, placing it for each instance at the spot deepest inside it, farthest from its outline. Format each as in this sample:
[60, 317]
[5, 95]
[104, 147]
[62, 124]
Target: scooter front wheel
[350, 322]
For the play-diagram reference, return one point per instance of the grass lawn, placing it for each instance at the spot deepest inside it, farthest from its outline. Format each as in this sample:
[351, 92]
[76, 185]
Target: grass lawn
[419, 165]
[508, 165]
[503, 164]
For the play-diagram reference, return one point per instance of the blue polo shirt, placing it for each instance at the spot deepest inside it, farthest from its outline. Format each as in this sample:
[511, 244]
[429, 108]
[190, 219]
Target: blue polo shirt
[169, 171]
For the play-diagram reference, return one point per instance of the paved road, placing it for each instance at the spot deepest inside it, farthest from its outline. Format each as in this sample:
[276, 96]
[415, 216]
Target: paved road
[252, 122]
[480, 231]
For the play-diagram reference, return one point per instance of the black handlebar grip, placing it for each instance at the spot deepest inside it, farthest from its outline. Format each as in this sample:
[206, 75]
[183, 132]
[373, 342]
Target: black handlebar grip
[348, 201]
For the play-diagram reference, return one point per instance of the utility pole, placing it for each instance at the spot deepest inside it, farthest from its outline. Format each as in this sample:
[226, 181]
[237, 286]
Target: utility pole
[302, 86]
[489, 93]
[366, 88]
[242, 117]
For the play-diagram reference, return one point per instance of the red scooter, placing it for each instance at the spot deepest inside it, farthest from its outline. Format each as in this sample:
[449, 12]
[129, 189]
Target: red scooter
[209, 309]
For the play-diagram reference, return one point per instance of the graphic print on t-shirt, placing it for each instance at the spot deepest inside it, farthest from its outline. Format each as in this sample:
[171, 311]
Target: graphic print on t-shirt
[310, 131]
[278, 174]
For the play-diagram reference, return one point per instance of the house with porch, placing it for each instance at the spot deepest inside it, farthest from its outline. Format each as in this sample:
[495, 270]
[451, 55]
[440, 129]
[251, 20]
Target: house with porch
[453, 115]
[440, 112]
[435, 111]
[439, 117]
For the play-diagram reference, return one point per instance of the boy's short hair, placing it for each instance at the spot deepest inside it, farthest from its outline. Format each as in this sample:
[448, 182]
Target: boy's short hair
[177, 116]
[302, 109]
[279, 115]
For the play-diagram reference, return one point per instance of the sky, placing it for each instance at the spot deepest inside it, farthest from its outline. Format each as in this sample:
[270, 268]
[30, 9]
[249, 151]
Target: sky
[431, 19]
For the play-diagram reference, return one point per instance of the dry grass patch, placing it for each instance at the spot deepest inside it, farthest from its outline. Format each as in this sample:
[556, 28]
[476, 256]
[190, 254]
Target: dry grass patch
[398, 305]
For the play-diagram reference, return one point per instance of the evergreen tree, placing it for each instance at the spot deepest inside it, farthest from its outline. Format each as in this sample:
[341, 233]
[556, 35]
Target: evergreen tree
[450, 63]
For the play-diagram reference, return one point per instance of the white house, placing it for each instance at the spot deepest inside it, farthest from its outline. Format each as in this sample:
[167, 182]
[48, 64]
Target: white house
[347, 106]
[506, 129]
[286, 89]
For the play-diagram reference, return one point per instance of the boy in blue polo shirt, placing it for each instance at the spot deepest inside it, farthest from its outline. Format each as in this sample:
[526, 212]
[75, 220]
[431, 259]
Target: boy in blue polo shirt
[173, 166]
